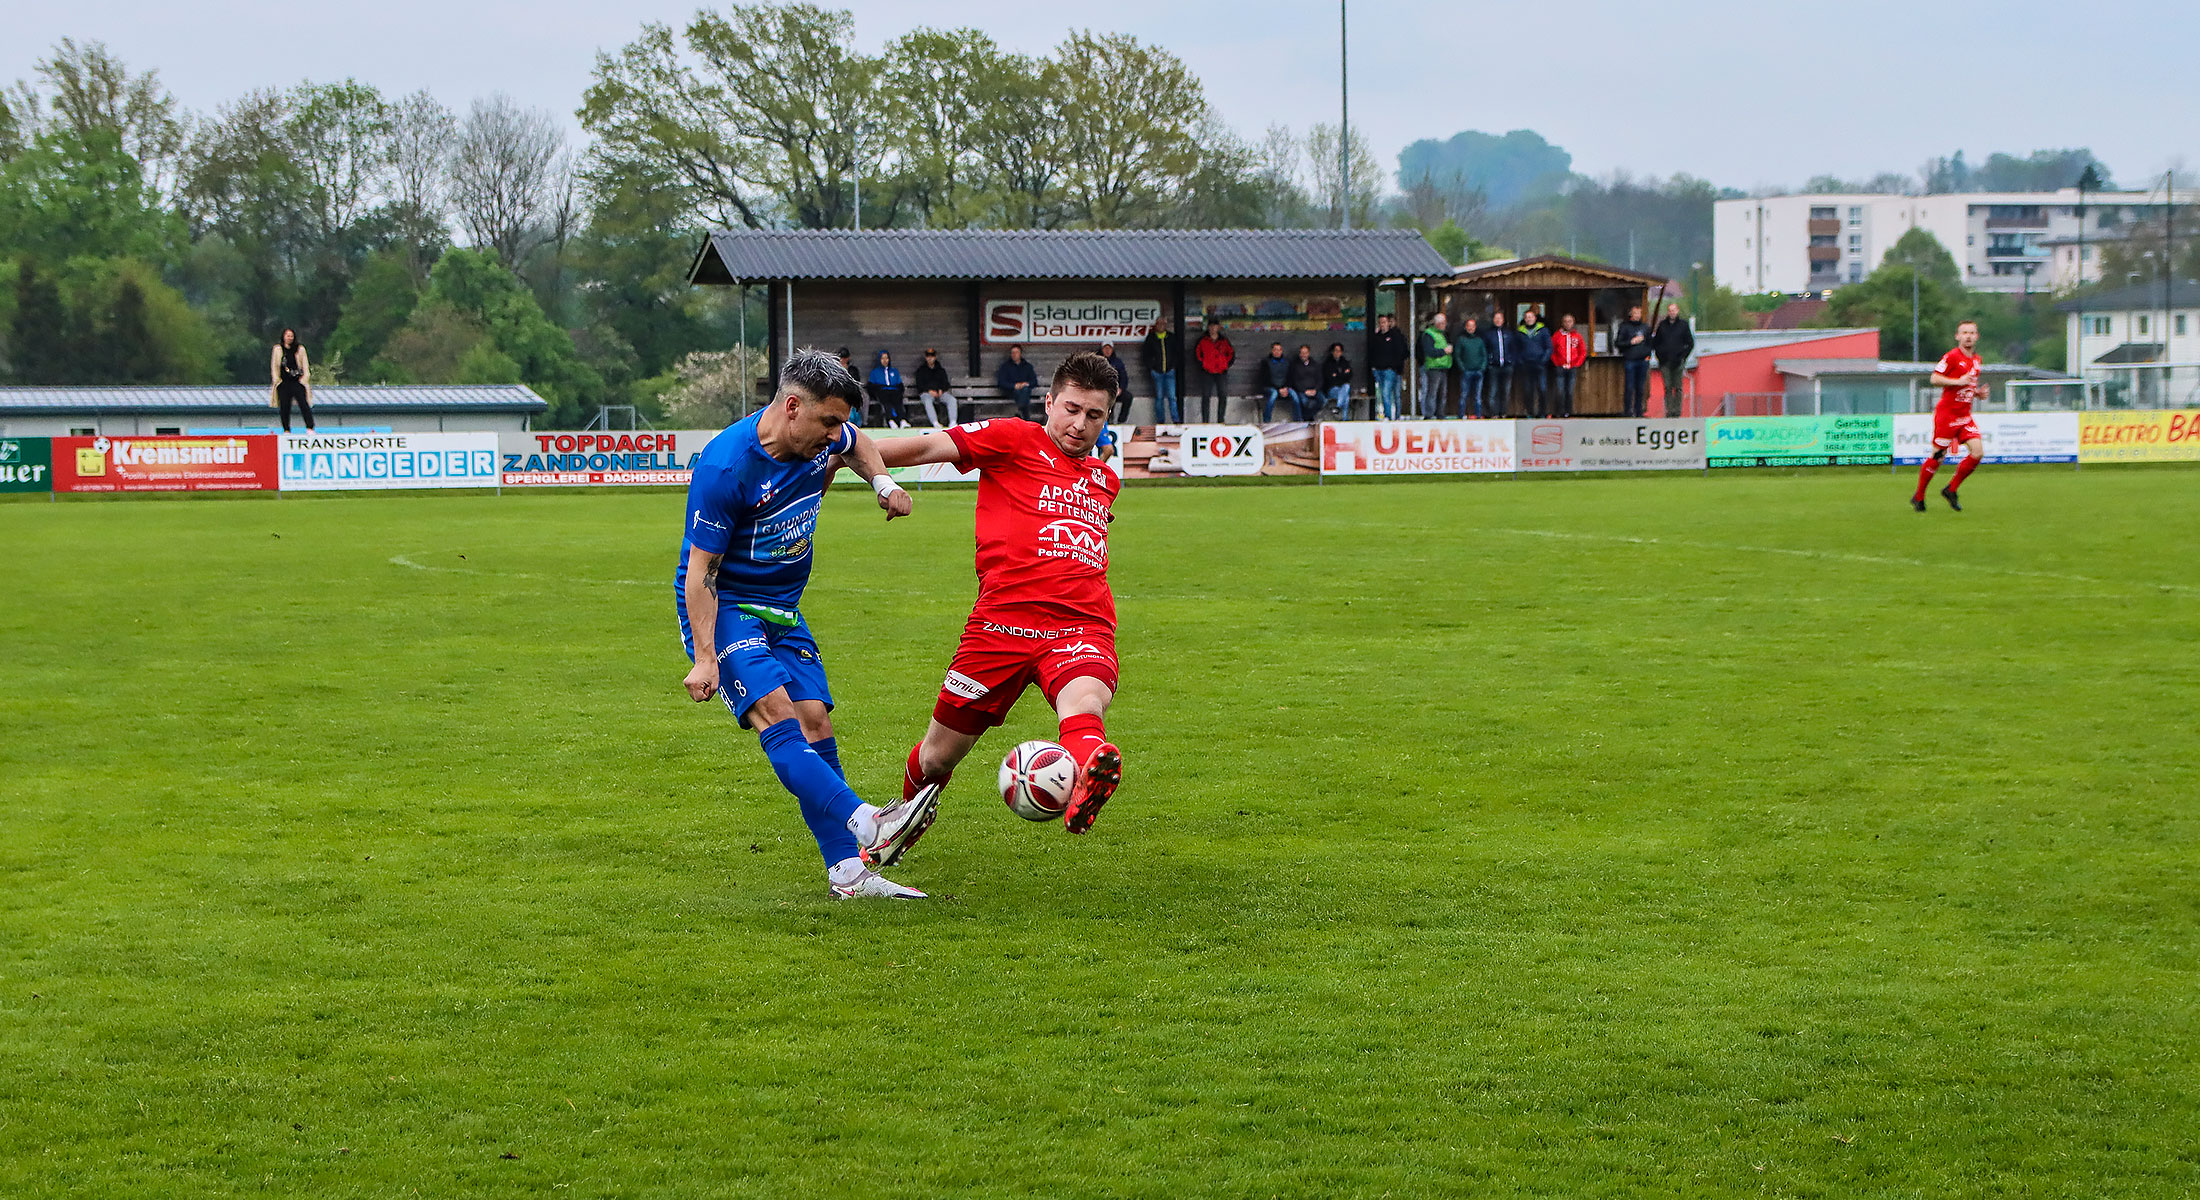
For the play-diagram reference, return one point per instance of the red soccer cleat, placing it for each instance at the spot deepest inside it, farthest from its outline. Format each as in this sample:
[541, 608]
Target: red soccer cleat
[1094, 785]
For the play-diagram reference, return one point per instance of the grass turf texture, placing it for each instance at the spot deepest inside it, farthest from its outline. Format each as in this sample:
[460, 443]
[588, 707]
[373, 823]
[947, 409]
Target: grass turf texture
[1748, 834]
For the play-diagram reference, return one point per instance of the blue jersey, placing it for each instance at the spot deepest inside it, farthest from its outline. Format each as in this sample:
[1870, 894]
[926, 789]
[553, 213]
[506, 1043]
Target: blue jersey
[759, 513]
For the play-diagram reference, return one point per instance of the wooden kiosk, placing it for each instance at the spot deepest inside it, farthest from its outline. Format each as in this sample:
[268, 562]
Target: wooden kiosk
[1597, 295]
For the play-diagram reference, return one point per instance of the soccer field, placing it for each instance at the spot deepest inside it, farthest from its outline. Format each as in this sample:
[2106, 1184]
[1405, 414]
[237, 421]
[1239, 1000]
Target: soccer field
[1597, 837]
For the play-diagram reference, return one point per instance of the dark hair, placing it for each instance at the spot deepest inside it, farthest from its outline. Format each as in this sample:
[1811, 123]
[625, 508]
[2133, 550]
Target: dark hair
[934, 353]
[847, 353]
[1087, 371]
[819, 376]
[1337, 347]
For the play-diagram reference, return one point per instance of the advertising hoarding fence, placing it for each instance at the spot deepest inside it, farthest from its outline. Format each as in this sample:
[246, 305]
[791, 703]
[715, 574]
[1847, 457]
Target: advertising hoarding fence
[1823, 441]
[333, 462]
[2035, 437]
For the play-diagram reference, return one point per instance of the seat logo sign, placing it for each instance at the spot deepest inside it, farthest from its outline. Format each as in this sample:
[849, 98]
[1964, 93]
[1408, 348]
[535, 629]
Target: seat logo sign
[1009, 321]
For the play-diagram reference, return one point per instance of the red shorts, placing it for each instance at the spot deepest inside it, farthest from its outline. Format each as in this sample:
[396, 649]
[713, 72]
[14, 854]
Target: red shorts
[1950, 431]
[998, 658]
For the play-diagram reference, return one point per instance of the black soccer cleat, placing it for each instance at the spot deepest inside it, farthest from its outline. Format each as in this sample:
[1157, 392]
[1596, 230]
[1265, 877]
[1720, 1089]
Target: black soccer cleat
[1949, 494]
[1917, 503]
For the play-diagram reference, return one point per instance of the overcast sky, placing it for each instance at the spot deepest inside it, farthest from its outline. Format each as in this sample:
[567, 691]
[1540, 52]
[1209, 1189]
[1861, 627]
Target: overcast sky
[1742, 92]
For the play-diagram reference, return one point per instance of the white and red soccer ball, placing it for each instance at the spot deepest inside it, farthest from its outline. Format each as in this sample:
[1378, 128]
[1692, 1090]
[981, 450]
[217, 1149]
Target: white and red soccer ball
[1036, 778]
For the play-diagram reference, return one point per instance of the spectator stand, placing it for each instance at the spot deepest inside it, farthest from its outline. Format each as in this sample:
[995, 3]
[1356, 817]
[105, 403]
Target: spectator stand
[1597, 295]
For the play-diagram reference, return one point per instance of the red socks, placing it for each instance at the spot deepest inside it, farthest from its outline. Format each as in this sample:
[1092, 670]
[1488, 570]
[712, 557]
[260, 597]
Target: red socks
[912, 778]
[1963, 471]
[1081, 735]
[1925, 476]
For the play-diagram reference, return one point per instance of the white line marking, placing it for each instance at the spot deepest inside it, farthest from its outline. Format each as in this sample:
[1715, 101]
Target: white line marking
[399, 560]
[1838, 556]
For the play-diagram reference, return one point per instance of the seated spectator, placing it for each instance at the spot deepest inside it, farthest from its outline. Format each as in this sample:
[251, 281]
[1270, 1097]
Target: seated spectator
[884, 387]
[1018, 380]
[1337, 380]
[862, 411]
[1275, 380]
[932, 384]
[1122, 411]
[1305, 380]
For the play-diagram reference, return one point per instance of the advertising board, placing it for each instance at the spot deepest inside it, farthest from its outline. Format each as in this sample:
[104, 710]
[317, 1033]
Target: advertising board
[2139, 436]
[1416, 447]
[26, 464]
[1799, 441]
[1611, 445]
[334, 462]
[600, 459]
[1010, 321]
[2048, 437]
[243, 463]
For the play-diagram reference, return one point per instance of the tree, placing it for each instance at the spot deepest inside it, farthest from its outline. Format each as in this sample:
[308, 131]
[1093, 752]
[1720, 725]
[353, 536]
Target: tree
[1022, 139]
[382, 299]
[340, 134]
[1883, 298]
[1321, 154]
[243, 185]
[1130, 115]
[126, 341]
[39, 341]
[933, 82]
[421, 133]
[93, 94]
[474, 284]
[503, 175]
[1519, 166]
[75, 195]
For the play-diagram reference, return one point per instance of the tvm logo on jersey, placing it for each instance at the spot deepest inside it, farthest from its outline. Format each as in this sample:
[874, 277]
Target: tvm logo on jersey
[1074, 539]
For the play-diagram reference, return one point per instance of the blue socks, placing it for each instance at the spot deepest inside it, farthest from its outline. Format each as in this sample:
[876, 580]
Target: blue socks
[827, 800]
[829, 750]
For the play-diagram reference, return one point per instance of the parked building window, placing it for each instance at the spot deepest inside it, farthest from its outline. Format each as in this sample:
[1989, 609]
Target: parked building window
[82, 431]
[1856, 214]
[2142, 325]
[2180, 326]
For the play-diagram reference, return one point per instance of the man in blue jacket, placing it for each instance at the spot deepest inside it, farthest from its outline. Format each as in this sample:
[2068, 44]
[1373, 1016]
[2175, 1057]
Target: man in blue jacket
[1504, 355]
[1535, 364]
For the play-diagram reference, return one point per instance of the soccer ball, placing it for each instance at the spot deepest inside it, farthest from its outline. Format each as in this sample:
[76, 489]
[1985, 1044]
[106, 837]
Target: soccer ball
[1036, 779]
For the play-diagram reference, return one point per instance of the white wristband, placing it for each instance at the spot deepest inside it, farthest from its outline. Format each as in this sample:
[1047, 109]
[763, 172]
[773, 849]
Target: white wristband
[884, 485]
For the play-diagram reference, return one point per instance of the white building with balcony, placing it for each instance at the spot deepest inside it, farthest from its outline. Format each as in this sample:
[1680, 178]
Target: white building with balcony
[2003, 241]
[2140, 344]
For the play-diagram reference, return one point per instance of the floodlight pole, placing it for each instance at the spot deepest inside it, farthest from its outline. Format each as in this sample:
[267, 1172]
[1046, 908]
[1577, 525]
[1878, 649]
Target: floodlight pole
[1344, 122]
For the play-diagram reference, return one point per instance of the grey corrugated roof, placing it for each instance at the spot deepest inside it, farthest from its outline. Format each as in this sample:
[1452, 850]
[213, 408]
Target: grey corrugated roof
[760, 255]
[489, 397]
[2183, 293]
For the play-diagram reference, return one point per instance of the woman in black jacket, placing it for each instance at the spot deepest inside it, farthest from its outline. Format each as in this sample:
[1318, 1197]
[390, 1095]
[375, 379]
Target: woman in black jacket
[1337, 381]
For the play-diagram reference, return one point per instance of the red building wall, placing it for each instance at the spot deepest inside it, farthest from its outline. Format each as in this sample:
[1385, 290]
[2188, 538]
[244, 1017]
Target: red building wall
[1752, 370]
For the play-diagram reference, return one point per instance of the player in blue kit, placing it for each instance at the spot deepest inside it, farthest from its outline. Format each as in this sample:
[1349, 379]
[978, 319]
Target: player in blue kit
[751, 509]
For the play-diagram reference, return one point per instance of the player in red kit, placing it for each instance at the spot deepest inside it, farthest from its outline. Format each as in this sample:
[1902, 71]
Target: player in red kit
[1953, 425]
[1044, 613]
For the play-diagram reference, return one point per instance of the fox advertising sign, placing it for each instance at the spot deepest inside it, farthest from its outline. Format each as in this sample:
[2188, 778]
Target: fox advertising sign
[1417, 447]
[1207, 450]
[1010, 321]
[244, 463]
[326, 462]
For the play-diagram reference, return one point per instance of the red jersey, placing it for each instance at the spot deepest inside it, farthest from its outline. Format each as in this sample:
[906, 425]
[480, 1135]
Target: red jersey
[1955, 364]
[1042, 522]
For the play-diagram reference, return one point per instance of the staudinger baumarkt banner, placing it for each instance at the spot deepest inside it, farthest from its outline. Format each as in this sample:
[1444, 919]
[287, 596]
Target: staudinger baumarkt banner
[351, 462]
[1416, 447]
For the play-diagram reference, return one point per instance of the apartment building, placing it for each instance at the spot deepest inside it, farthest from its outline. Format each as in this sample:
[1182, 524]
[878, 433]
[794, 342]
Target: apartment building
[2004, 241]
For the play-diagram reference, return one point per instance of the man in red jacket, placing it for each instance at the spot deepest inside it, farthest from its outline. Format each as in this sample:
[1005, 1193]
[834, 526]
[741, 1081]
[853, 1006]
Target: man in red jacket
[1214, 354]
[1568, 351]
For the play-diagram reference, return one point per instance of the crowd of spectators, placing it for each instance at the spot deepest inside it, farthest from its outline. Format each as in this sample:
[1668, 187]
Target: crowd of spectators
[1486, 368]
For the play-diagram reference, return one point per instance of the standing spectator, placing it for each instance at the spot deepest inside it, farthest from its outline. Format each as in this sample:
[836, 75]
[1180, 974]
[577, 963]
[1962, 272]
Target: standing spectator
[1337, 381]
[1386, 360]
[1472, 355]
[1214, 354]
[1674, 341]
[1504, 351]
[1122, 411]
[1633, 340]
[1568, 351]
[1275, 380]
[861, 409]
[1535, 363]
[1017, 380]
[1159, 357]
[1435, 355]
[884, 385]
[933, 385]
[1304, 377]
[290, 373]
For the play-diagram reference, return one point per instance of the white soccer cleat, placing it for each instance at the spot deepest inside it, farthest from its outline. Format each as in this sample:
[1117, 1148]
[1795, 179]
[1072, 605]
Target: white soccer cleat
[872, 885]
[900, 824]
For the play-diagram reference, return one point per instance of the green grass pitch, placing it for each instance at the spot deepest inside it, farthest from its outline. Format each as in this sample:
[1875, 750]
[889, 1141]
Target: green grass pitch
[1747, 834]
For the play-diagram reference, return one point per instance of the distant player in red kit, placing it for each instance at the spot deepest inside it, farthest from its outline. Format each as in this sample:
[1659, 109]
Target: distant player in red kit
[1044, 613]
[1953, 425]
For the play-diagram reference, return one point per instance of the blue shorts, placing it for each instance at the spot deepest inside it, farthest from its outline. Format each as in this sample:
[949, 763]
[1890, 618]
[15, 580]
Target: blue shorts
[756, 657]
